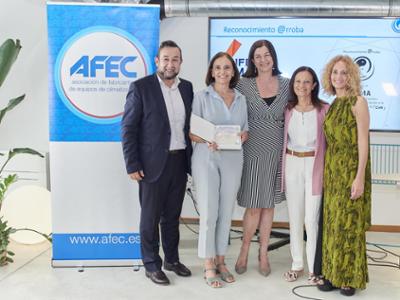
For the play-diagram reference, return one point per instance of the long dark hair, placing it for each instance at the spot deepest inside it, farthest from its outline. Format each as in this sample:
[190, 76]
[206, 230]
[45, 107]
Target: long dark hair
[293, 100]
[251, 68]
[234, 79]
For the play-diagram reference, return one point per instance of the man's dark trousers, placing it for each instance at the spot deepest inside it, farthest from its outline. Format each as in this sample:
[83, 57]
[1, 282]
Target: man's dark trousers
[161, 202]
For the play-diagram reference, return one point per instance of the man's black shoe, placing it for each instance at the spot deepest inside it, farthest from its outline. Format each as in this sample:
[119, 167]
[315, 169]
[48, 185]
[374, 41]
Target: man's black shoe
[326, 286]
[158, 277]
[177, 267]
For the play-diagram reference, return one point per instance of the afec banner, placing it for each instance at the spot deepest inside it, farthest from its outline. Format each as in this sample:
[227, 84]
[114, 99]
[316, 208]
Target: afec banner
[95, 52]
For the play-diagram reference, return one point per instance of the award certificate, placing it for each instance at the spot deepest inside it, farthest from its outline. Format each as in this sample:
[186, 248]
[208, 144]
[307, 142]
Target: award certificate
[227, 137]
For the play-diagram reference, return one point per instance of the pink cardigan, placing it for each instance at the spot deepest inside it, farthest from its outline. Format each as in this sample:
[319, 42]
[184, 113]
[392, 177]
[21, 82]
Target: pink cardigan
[318, 168]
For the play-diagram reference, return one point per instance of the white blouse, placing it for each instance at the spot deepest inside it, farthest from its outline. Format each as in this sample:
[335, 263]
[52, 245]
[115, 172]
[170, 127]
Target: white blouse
[302, 131]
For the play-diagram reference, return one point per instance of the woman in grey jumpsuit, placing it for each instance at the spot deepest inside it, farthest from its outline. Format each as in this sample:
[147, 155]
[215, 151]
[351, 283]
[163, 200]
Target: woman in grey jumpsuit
[217, 173]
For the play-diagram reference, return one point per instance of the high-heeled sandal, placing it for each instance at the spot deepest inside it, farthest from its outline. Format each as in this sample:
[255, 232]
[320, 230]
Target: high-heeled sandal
[212, 281]
[314, 279]
[225, 276]
[293, 275]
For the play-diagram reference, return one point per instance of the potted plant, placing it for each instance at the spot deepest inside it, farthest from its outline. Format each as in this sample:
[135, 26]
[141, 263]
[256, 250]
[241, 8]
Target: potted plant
[9, 51]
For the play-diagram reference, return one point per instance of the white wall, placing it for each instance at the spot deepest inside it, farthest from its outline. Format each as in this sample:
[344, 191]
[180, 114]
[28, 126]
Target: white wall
[27, 125]
[191, 34]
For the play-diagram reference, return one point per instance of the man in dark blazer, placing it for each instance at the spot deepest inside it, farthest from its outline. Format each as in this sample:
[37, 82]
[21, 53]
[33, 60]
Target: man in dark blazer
[157, 152]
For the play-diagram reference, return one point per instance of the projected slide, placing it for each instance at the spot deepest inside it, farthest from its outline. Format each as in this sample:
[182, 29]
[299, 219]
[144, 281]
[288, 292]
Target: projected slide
[374, 44]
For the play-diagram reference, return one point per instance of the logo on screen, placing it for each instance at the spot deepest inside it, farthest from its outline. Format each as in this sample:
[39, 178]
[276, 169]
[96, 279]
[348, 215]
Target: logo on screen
[396, 25]
[94, 69]
[241, 63]
[366, 67]
[233, 47]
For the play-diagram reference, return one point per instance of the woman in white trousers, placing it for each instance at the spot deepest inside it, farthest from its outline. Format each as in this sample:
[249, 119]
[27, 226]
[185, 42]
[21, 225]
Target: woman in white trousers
[302, 167]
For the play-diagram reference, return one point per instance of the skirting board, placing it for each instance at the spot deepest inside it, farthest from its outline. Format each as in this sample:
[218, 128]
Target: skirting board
[237, 223]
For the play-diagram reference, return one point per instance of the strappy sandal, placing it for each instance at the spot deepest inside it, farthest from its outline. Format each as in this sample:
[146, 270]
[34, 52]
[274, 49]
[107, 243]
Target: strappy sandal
[213, 281]
[225, 276]
[293, 275]
[314, 280]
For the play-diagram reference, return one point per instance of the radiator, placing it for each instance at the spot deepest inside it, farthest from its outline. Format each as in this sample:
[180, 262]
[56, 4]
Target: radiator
[385, 163]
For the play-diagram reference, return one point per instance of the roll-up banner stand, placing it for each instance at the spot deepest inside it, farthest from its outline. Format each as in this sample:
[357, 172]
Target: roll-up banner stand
[95, 51]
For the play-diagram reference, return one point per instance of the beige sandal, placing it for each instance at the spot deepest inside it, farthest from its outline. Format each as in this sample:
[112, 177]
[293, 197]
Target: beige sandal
[293, 275]
[313, 279]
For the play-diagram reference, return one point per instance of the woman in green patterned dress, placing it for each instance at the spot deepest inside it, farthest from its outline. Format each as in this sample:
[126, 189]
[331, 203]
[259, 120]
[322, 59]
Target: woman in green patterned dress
[347, 180]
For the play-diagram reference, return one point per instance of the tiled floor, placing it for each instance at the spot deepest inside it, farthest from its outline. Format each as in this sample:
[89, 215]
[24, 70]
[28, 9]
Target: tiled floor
[32, 277]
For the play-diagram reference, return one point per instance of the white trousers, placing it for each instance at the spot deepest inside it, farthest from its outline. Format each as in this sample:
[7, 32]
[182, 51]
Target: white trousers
[216, 176]
[303, 208]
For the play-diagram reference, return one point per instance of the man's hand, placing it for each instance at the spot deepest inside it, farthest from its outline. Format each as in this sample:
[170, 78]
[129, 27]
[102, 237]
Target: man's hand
[137, 175]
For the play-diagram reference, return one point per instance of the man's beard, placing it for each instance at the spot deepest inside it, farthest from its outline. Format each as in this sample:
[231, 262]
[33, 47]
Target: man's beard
[168, 77]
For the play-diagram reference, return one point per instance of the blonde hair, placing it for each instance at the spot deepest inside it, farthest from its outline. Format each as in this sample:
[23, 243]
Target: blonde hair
[353, 86]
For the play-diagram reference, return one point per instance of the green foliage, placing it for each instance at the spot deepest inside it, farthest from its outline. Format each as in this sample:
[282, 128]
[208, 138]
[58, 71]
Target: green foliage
[16, 151]
[5, 231]
[11, 104]
[9, 51]
[4, 184]
[48, 237]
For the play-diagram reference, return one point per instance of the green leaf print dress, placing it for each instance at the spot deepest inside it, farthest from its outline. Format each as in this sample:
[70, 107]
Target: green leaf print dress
[344, 260]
